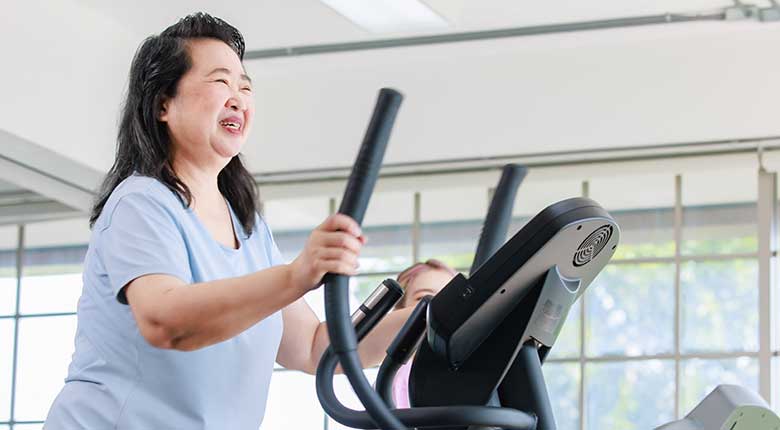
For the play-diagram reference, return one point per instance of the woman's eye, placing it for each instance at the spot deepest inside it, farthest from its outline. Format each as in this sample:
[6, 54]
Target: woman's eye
[224, 81]
[247, 89]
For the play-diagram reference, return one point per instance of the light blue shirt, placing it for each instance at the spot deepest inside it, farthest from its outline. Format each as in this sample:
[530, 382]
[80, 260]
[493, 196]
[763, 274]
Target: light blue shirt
[116, 379]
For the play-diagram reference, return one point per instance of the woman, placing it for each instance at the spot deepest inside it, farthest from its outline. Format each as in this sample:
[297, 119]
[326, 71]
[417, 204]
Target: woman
[186, 301]
[418, 281]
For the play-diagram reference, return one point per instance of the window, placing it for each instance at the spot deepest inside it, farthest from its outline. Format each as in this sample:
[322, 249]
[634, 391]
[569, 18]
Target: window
[52, 260]
[6, 366]
[387, 225]
[675, 313]
[709, 275]
[700, 376]
[563, 385]
[45, 349]
[629, 395]
[451, 222]
[292, 403]
[45, 322]
[619, 323]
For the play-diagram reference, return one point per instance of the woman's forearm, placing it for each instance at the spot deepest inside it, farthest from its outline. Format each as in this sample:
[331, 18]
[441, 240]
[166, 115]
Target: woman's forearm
[189, 317]
[372, 348]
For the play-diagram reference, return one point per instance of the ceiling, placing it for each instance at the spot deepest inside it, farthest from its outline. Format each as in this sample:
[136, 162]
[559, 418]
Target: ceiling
[281, 23]
[552, 93]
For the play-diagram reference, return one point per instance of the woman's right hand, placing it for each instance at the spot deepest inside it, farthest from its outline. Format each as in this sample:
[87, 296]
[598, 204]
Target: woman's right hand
[333, 247]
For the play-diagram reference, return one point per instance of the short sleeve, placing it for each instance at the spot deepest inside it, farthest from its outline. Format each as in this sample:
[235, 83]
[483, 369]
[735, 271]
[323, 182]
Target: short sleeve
[142, 237]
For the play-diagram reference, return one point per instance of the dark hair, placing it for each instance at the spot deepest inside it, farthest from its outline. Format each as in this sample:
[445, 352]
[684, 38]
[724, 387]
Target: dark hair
[143, 143]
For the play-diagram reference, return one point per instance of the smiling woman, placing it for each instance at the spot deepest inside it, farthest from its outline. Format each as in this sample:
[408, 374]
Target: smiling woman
[194, 69]
[186, 301]
[201, 99]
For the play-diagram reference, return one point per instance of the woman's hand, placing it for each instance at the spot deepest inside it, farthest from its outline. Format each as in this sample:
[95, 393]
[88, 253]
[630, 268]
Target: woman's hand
[332, 247]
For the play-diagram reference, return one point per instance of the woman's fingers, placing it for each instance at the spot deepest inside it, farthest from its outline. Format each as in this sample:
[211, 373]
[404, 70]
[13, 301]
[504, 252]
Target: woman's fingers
[336, 266]
[336, 260]
[339, 231]
[341, 222]
[339, 255]
[338, 240]
[333, 247]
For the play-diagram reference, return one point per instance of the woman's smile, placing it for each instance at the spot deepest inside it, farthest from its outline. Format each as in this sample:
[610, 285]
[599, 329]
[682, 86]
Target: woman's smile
[233, 125]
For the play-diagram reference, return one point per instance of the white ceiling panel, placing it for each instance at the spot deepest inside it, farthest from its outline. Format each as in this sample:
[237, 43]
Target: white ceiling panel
[599, 89]
[264, 24]
[283, 23]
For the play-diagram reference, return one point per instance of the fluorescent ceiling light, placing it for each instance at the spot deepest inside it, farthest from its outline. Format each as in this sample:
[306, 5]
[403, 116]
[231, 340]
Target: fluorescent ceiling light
[389, 16]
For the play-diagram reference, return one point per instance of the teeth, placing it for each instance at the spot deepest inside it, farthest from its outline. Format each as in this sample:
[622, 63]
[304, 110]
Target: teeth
[229, 124]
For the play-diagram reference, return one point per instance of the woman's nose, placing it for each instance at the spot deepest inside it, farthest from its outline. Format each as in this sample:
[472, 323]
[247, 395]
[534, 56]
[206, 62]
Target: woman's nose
[236, 103]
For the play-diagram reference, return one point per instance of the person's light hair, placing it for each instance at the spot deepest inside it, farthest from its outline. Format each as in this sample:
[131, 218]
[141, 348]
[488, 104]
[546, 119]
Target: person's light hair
[408, 275]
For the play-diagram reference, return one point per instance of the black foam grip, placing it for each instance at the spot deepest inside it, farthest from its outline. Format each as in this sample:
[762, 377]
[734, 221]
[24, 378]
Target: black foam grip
[496, 225]
[366, 168]
[342, 334]
[359, 188]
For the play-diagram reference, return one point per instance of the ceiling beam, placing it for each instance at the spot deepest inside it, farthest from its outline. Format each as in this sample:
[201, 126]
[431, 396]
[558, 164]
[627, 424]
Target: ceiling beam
[26, 213]
[32, 167]
[731, 13]
[531, 160]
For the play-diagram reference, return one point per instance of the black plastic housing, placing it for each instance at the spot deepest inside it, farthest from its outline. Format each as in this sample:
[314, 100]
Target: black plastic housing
[462, 297]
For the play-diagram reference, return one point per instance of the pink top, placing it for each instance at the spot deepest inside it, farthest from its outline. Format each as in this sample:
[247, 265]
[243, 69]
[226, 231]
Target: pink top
[401, 386]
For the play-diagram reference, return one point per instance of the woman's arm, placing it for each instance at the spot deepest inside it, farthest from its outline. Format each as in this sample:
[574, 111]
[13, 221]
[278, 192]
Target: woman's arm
[305, 338]
[171, 314]
[373, 347]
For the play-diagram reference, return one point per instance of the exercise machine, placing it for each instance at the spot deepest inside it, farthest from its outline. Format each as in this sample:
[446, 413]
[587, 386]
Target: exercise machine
[523, 291]
[728, 407]
[479, 344]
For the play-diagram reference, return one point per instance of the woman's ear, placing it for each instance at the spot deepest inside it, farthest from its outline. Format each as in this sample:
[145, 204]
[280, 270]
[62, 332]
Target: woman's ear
[163, 114]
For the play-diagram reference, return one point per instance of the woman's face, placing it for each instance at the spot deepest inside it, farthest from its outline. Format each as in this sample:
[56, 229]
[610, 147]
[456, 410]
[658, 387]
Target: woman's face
[428, 282]
[210, 117]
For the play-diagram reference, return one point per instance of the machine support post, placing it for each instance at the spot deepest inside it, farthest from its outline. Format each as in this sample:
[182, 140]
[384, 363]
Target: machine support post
[535, 400]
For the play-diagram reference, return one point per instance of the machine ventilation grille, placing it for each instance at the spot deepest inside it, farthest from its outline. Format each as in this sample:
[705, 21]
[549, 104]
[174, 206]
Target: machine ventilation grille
[592, 245]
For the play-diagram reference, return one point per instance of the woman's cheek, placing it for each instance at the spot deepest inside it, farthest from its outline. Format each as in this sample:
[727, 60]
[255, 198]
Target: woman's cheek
[250, 120]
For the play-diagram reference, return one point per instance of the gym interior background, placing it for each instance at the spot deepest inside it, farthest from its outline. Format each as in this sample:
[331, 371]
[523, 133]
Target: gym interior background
[674, 128]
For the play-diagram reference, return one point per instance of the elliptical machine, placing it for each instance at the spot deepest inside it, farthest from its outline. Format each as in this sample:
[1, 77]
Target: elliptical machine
[483, 338]
[489, 332]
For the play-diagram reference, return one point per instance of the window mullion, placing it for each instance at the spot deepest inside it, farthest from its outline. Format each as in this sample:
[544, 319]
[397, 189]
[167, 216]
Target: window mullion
[678, 223]
[767, 198]
[15, 354]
